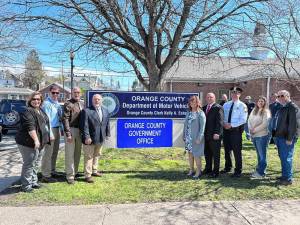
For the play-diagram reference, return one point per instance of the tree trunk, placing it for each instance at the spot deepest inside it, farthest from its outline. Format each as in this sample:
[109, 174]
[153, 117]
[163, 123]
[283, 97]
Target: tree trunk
[154, 80]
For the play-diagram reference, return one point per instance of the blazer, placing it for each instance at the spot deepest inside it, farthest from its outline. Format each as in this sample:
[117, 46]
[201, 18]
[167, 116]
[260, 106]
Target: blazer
[197, 132]
[91, 127]
[31, 120]
[214, 121]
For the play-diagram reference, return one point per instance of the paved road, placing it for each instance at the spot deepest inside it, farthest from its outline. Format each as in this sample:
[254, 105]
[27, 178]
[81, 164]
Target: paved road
[11, 161]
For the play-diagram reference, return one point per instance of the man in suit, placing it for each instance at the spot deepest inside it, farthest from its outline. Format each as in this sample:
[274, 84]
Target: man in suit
[235, 117]
[213, 133]
[95, 128]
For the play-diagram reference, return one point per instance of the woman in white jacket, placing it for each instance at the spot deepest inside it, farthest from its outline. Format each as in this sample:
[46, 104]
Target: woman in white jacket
[258, 127]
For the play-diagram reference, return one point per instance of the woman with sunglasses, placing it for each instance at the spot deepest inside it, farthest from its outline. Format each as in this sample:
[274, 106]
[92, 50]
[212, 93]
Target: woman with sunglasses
[258, 126]
[32, 136]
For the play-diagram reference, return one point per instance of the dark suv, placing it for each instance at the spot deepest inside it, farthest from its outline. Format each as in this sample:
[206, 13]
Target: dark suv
[9, 114]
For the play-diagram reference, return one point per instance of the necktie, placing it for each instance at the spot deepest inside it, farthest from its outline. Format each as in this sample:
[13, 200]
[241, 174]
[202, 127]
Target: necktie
[207, 109]
[230, 112]
[99, 114]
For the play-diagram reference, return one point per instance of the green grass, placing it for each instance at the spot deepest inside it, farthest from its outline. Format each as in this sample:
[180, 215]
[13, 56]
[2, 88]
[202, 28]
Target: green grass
[157, 175]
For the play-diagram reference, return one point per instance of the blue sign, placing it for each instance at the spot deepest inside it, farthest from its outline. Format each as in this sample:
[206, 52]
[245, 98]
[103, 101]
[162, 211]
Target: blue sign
[144, 133]
[143, 104]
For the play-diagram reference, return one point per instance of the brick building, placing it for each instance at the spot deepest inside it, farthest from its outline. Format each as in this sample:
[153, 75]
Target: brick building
[219, 74]
[65, 93]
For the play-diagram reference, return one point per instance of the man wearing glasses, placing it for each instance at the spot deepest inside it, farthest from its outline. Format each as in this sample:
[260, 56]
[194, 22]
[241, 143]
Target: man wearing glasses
[235, 117]
[54, 111]
[284, 128]
[71, 116]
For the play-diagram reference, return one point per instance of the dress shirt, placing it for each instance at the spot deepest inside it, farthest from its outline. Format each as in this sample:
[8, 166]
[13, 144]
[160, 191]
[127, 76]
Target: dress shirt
[239, 113]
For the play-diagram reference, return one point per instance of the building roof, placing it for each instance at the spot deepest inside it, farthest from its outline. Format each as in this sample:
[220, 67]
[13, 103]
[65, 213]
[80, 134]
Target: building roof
[59, 85]
[15, 90]
[227, 69]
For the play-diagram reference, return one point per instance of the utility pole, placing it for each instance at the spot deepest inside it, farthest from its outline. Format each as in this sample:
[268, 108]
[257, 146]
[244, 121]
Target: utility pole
[72, 55]
[63, 78]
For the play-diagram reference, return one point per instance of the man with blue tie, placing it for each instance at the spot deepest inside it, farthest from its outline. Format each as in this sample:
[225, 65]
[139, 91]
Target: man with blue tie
[235, 116]
[95, 129]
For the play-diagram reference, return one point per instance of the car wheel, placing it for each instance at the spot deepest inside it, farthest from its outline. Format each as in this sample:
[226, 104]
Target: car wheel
[12, 118]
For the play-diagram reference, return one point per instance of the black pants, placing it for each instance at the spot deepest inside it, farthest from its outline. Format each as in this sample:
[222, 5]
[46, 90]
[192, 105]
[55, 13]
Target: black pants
[233, 141]
[212, 155]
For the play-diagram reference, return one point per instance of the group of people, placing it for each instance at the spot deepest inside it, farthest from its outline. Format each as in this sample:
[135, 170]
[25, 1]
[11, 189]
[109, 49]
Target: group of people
[42, 124]
[86, 129]
[205, 127]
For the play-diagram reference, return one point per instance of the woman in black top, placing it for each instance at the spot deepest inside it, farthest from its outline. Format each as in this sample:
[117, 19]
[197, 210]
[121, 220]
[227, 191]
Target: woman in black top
[31, 138]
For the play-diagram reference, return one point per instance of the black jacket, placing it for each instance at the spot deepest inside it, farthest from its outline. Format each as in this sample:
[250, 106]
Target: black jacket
[214, 121]
[286, 122]
[31, 120]
[91, 127]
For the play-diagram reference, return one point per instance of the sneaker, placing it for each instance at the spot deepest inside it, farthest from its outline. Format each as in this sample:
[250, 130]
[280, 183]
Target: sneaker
[89, 180]
[36, 186]
[48, 180]
[256, 175]
[236, 175]
[71, 181]
[285, 182]
[27, 190]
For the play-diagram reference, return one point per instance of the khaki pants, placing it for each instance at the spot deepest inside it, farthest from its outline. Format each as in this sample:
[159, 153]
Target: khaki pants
[72, 154]
[91, 157]
[50, 154]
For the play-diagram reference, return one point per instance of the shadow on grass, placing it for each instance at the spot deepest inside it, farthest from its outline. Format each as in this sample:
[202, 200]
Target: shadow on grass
[243, 182]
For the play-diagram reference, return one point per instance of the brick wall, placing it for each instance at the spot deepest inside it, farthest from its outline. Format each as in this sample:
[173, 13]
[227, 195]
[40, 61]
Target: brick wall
[254, 88]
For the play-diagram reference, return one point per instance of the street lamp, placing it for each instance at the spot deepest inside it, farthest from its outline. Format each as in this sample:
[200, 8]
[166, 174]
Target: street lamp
[72, 55]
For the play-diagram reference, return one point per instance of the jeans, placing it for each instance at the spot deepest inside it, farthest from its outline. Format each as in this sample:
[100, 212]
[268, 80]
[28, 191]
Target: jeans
[286, 153]
[31, 162]
[261, 145]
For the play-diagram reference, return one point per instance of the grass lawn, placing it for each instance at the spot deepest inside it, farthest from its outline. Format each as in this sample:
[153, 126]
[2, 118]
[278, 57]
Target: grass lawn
[157, 175]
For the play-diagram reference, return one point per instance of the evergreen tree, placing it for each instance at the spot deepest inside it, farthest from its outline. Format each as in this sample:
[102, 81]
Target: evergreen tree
[34, 73]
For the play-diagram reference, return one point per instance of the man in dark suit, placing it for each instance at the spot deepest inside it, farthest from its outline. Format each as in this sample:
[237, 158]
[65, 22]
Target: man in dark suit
[213, 133]
[95, 128]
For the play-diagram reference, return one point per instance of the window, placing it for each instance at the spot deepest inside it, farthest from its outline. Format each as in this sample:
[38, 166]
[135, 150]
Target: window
[221, 92]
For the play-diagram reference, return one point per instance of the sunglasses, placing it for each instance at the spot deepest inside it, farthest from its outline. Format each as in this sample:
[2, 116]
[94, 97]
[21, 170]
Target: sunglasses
[36, 99]
[280, 96]
[55, 93]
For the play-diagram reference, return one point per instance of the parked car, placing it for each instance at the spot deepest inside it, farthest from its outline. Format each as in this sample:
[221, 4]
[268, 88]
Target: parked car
[0, 133]
[9, 114]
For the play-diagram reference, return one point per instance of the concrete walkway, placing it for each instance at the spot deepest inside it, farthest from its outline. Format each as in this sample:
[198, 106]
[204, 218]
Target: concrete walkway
[175, 213]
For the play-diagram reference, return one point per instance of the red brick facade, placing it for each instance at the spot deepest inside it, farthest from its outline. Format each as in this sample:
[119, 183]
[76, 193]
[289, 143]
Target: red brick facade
[254, 88]
[63, 96]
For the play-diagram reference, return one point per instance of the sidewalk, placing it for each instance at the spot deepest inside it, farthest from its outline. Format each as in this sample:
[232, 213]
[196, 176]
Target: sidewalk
[175, 213]
[10, 167]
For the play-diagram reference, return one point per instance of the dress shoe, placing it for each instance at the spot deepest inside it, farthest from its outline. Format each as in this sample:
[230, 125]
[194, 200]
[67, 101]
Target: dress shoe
[48, 180]
[36, 186]
[206, 172]
[89, 180]
[236, 175]
[213, 175]
[97, 174]
[71, 181]
[56, 174]
[225, 171]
